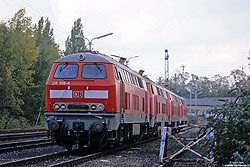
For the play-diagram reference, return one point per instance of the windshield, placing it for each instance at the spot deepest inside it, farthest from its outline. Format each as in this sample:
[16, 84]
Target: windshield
[66, 71]
[94, 71]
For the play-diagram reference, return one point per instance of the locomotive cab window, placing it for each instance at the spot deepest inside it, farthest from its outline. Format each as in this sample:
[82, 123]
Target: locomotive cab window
[66, 71]
[94, 71]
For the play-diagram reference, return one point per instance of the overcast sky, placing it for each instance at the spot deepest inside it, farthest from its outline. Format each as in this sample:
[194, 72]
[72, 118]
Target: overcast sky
[207, 36]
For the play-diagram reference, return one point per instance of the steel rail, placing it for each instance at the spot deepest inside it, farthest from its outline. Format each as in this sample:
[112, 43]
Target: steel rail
[2, 131]
[22, 135]
[8, 147]
[99, 154]
[33, 159]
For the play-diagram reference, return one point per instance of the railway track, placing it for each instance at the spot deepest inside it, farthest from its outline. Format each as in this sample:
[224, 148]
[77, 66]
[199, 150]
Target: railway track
[73, 157]
[12, 135]
[4, 131]
[20, 145]
[180, 151]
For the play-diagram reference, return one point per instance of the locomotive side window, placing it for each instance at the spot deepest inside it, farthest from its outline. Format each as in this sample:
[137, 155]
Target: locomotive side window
[136, 80]
[158, 91]
[66, 71]
[152, 89]
[162, 95]
[131, 78]
[94, 71]
[165, 94]
[122, 74]
[170, 95]
[140, 82]
[144, 85]
[116, 74]
[128, 77]
[183, 102]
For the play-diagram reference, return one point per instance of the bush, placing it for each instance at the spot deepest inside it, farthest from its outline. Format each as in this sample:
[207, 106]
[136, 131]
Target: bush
[231, 124]
[192, 119]
[9, 122]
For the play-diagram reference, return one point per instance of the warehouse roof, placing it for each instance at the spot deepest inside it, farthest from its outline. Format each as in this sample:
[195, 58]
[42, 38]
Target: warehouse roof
[209, 101]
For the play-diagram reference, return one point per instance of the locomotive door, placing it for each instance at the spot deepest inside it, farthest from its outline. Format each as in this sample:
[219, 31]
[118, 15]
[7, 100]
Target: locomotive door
[122, 88]
[146, 103]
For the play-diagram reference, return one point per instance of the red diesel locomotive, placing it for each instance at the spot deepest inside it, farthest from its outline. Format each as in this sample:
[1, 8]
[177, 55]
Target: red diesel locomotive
[91, 99]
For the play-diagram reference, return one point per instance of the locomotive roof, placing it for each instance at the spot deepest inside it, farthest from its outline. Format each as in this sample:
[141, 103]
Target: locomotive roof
[98, 57]
[95, 57]
[160, 86]
[88, 57]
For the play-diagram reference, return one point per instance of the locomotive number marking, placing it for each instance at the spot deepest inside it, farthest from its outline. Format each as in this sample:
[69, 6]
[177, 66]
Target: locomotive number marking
[61, 83]
[77, 94]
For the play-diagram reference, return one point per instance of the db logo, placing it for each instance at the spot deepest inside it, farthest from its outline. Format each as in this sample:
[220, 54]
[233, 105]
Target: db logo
[77, 94]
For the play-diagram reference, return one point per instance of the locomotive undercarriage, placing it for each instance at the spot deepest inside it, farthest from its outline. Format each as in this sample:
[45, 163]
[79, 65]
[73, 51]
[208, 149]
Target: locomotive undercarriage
[67, 129]
[101, 139]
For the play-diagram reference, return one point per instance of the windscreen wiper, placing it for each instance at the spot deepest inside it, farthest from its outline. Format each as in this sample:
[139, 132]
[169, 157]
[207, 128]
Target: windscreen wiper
[97, 66]
[63, 67]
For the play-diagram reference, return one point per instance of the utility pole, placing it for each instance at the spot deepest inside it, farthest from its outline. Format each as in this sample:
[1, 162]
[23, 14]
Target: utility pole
[249, 59]
[183, 67]
[190, 97]
[196, 92]
[182, 76]
[166, 63]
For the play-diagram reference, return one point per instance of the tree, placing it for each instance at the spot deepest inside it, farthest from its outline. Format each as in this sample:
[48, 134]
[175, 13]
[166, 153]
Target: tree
[239, 77]
[8, 104]
[48, 53]
[18, 52]
[74, 44]
[177, 83]
[219, 86]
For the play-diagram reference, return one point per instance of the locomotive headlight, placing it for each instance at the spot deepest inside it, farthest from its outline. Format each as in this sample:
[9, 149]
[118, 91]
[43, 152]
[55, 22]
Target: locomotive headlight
[63, 106]
[81, 57]
[93, 107]
[56, 106]
[100, 107]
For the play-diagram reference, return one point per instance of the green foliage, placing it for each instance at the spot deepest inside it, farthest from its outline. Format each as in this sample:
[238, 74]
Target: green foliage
[231, 124]
[18, 53]
[217, 86]
[74, 44]
[9, 122]
[26, 56]
[34, 100]
[192, 119]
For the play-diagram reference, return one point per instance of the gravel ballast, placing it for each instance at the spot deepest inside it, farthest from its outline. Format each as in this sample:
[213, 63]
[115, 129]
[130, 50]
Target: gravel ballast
[145, 155]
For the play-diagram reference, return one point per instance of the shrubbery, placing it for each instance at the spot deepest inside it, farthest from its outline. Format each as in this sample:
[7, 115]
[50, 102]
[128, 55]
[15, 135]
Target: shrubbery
[231, 124]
